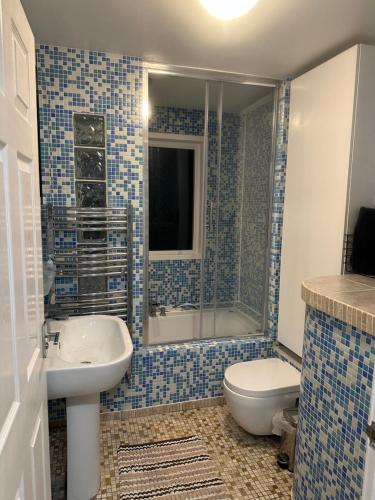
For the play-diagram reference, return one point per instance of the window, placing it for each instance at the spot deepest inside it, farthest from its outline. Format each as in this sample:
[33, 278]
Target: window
[174, 196]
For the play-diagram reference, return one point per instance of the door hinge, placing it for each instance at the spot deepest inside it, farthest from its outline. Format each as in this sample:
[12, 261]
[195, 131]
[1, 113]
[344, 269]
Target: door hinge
[370, 431]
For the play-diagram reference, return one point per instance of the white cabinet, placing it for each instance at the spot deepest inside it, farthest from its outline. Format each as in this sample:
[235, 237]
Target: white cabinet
[330, 175]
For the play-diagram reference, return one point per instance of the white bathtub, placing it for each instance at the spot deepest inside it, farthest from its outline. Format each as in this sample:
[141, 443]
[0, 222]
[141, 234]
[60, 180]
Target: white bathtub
[180, 326]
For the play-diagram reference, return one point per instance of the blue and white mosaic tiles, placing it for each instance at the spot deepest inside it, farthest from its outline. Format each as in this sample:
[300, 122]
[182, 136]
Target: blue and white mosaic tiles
[337, 379]
[172, 120]
[184, 121]
[278, 207]
[79, 81]
[256, 140]
[172, 282]
[74, 80]
[175, 281]
[182, 372]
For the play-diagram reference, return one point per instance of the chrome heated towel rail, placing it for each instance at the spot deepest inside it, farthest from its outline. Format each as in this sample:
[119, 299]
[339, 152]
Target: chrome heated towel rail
[90, 243]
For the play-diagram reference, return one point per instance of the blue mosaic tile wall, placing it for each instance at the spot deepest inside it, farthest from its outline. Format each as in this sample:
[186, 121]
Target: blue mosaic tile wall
[168, 364]
[73, 80]
[183, 372]
[228, 205]
[173, 281]
[256, 137]
[278, 206]
[167, 120]
[85, 81]
[337, 378]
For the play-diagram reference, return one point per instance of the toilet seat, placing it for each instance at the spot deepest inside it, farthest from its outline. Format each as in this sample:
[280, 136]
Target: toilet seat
[262, 378]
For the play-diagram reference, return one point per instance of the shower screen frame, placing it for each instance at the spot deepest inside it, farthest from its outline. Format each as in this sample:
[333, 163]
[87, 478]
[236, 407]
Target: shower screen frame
[207, 76]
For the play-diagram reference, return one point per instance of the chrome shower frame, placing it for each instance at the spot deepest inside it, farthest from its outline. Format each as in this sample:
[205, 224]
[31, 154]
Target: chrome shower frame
[208, 76]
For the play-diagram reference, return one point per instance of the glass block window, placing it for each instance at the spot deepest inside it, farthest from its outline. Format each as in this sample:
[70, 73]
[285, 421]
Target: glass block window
[89, 130]
[90, 166]
[89, 163]
[91, 185]
[91, 194]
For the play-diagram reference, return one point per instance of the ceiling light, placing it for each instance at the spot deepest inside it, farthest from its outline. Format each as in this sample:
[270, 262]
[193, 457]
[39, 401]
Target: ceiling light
[228, 9]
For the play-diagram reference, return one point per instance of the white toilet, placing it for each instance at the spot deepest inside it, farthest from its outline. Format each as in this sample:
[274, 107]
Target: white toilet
[256, 390]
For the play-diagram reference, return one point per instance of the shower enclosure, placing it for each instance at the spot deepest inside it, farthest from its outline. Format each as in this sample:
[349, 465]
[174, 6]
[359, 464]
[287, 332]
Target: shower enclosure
[210, 147]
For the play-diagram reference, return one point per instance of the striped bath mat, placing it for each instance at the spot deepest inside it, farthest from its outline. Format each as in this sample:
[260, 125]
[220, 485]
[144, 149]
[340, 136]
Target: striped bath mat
[171, 469]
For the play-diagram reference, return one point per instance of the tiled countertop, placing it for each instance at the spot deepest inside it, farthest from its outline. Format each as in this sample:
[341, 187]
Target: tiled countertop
[349, 298]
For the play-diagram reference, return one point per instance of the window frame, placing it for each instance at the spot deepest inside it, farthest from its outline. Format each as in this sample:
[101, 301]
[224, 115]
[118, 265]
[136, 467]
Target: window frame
[184, 141]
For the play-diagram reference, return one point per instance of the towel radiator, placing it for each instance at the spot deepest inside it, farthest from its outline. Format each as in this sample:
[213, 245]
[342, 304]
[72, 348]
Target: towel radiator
[90, 243]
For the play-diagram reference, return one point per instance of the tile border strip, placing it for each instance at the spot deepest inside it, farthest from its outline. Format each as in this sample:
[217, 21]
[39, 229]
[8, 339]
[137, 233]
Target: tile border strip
[162, 409]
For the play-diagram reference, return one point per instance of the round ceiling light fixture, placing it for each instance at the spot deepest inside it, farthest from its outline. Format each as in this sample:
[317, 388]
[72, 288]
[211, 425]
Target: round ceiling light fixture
[228, 9]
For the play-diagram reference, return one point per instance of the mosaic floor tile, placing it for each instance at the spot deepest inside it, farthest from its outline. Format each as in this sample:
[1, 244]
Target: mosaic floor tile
[247, 464]
[58, 462]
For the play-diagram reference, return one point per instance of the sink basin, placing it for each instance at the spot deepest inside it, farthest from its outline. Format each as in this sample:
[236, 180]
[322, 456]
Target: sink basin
[92, 355]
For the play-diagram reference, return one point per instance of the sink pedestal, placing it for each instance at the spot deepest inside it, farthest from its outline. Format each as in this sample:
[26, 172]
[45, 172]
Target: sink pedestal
[83, 422]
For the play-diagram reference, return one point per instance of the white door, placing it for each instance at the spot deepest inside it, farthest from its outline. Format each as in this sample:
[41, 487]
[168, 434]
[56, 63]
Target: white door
[369, 479]
[24, 456]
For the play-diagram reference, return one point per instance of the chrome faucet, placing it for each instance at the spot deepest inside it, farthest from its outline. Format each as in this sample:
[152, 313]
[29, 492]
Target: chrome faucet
[153, 309]
[48, 336]
[163, 311]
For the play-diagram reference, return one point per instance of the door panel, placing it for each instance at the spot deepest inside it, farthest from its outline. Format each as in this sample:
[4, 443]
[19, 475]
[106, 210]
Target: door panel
[7, 387]
[37, 458]
[209, 269]
[21, 66]
[24, 456]
[28, 245]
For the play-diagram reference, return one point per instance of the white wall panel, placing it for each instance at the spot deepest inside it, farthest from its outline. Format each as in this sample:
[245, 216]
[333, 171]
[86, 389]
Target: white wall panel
[320, 130]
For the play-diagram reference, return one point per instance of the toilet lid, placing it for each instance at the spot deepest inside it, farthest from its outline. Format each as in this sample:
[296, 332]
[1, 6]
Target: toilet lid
[262, 378]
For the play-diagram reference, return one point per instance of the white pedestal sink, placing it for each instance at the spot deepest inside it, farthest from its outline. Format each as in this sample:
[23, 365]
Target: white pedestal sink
[92, 355]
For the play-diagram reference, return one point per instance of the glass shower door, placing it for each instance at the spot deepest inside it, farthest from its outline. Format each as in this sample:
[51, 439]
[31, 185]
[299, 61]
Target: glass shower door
[234, 273]
[209, 157]
[228, 214]
[208, 277]
[246, 186]
[176, 110]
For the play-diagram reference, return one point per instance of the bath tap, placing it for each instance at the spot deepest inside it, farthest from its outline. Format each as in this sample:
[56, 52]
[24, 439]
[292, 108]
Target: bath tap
[162, 310]
[153, 309]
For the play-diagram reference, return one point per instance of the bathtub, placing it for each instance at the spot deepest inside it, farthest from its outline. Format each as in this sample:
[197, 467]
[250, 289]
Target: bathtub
[180, 326]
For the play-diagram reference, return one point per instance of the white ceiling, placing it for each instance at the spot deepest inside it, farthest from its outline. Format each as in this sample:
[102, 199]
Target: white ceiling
[175, 91]
[277, 38]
